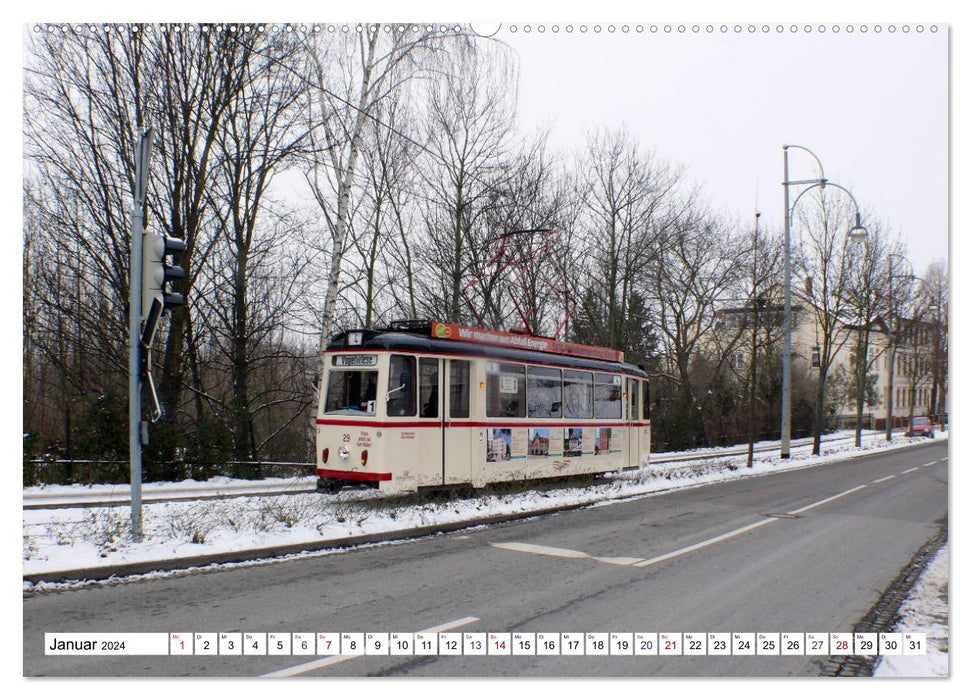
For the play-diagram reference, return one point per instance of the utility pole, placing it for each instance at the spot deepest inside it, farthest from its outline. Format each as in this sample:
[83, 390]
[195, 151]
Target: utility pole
[785, 430]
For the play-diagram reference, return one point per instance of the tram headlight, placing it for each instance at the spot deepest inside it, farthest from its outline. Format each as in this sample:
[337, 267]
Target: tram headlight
[363, 458]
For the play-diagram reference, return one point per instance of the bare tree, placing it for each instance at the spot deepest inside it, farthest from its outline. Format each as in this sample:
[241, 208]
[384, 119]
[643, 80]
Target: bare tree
[764, 330]
[629, 206]
[469, 129]
[866, 292]
[259, 138]
[937, 298]
[825, 262]
[381, 273]
[699, 268]
[917, 354]
[352, 75]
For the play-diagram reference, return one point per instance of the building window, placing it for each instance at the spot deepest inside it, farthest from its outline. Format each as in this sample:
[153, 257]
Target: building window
[816, 356]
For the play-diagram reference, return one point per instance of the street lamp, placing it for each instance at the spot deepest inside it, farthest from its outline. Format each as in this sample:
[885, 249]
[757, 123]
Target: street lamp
[857, 233]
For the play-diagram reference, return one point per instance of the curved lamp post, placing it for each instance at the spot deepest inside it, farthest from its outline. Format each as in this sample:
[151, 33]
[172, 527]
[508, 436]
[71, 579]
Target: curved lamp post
[857, 234]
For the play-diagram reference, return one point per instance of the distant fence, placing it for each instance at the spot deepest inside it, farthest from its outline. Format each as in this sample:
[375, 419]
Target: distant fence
[715, 439]
[93, 471]
[848, 422]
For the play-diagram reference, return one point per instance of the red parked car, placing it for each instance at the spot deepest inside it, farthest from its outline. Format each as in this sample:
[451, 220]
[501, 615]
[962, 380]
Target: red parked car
[921, 427]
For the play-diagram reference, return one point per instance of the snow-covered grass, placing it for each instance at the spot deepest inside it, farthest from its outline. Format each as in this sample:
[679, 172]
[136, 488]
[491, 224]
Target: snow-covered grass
[925, 610]
[63, 539]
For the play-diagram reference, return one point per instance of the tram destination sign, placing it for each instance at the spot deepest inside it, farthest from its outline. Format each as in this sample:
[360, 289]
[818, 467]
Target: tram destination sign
[451, 331]
[355, 360]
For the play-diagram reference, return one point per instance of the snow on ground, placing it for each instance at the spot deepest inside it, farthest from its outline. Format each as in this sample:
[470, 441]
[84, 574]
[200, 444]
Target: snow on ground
[925, 610]
[63, 539]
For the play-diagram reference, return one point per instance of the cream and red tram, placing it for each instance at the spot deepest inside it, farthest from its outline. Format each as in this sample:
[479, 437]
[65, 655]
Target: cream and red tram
[432, 404]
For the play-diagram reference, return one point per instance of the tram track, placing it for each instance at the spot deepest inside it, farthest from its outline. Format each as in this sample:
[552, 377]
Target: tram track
[40, 501]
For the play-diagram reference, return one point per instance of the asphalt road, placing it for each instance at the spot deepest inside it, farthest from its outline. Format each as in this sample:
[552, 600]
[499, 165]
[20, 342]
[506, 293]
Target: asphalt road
[809, 550]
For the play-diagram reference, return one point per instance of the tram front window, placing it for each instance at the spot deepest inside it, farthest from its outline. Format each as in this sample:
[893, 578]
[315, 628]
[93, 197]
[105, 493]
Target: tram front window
[351, 392]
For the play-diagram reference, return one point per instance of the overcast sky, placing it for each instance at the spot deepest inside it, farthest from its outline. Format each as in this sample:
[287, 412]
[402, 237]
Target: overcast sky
[873, 107]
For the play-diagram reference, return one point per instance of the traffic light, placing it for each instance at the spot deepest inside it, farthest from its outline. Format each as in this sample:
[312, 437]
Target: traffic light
[157, 272]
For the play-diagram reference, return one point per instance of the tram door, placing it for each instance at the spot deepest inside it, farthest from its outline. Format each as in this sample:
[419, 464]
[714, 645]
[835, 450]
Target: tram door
[456, 433]
[633, 420]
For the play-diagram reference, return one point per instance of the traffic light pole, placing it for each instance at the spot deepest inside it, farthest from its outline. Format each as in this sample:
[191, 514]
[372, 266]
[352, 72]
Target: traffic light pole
[134, 332]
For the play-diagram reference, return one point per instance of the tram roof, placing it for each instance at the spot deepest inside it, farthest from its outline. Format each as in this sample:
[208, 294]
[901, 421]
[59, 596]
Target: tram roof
[391, 339]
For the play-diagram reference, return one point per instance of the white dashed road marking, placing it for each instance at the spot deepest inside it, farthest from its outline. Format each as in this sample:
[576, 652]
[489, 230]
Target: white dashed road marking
[527, 548]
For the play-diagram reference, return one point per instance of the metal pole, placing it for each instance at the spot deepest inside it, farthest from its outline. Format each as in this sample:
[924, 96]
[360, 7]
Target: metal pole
[892, 341]
[787, 318]
[134, 332]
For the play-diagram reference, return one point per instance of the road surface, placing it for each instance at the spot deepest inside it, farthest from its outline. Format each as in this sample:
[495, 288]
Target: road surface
[808, 550]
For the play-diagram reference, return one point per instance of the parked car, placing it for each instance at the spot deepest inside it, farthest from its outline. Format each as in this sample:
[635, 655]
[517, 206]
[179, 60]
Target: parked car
[921, 427]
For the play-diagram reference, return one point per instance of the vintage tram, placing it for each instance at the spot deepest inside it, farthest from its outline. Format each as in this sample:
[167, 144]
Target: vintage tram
[425, 404]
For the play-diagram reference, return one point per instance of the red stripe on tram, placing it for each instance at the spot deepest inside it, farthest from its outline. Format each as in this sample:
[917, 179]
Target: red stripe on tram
[355, 476]
[436, 423]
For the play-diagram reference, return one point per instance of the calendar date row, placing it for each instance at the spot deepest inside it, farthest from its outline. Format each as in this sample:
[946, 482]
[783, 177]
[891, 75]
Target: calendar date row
[487, 644]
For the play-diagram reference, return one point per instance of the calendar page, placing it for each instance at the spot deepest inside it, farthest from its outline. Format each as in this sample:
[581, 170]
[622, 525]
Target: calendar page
[554, 348]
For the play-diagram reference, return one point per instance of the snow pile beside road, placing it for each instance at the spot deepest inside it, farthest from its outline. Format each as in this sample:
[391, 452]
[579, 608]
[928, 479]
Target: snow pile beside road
[80, 538]
[926, 610]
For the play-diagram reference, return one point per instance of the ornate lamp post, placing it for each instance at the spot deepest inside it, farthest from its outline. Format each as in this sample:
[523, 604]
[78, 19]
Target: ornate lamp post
[858, 234]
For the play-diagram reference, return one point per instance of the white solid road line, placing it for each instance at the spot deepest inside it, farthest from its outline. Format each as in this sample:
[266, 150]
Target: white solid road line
[640, 563]
[331, 660]
[886, 478]
[739, 531]
[826, 500]
[705, 543]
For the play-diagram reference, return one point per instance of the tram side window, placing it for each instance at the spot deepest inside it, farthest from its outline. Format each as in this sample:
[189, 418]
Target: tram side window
[428, 387]
[352, 390]
[577, 394]
[646, 396]
[505, 390]
[458, 397]
[401, 386]
[607, 401]
[544, 392]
